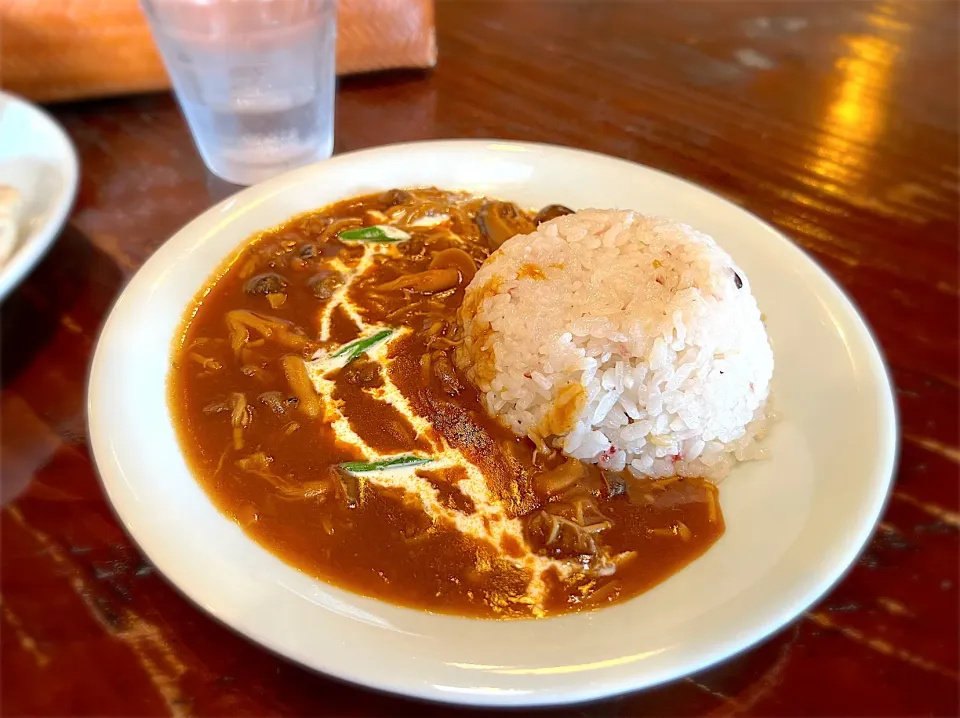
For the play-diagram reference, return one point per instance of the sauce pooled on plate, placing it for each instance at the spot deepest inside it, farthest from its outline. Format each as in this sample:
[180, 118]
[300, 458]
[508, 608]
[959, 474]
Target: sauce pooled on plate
[316, 399]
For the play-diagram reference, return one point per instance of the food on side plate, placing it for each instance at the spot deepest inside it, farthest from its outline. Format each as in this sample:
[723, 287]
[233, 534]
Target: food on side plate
[427, 397]
[10, 206]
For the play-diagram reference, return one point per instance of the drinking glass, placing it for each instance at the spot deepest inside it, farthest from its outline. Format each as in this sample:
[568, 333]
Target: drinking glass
[254, 78]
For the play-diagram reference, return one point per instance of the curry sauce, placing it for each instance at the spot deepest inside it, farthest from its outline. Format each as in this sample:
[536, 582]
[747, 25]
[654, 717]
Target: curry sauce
[317, 403]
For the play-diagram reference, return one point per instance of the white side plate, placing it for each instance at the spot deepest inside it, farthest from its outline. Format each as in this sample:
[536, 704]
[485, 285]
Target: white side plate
[795, 522]
[38, 159]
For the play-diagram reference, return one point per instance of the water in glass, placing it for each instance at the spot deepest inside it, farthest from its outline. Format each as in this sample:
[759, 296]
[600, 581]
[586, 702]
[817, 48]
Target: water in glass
[255, 80]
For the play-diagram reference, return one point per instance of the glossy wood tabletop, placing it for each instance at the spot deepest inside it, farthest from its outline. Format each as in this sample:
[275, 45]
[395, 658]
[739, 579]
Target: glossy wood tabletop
[836, 122]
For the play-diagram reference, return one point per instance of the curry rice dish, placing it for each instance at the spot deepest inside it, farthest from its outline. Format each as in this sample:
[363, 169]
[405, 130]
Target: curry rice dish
[454, 404]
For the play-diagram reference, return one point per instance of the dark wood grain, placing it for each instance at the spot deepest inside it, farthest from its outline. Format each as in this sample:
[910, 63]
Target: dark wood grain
[837, 122]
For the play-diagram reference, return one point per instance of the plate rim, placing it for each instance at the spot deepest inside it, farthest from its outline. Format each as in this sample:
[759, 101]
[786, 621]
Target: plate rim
[887, 457]
[33, 249]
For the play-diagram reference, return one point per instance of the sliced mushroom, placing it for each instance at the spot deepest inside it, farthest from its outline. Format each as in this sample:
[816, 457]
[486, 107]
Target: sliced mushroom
[499, 221]
[448, 268]
[551, 211]
[560, 478]
[206, 362]
[240, 322]
[258, 461]
[241, 415]
[308, 401]
[614, 482]
[264, 284]
[455, 259]
[273, 400]
[393, 197]
[349, 486]
[217, 406]
[252, 370]
[325, 284]
[443, 370]
[364, 374]
[429, 282]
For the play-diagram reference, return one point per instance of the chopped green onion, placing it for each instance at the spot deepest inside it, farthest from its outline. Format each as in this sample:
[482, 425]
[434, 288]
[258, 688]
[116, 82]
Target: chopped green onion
[395, 462]
[324, 363]
[379, 233]
[348, 352]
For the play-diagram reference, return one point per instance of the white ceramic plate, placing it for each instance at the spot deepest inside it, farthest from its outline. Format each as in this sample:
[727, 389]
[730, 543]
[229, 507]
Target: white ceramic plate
[38, 159]
[794, 522]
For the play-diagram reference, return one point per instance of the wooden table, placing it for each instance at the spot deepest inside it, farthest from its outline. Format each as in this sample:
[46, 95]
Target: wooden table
[837, 122]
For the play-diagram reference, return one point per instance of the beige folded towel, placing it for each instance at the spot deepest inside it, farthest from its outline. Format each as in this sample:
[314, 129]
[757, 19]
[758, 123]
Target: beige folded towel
[55, 50]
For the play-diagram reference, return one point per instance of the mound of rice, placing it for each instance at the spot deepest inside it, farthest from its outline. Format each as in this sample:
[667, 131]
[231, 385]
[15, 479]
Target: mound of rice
[624, 340]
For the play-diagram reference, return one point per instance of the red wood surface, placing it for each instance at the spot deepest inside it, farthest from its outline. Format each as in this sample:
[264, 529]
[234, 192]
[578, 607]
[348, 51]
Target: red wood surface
[837, 122]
